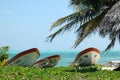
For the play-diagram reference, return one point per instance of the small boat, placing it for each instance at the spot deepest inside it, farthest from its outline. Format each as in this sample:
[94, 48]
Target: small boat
[114, 63]
[25, 58]
[50, 61]
[87, 57]
[109, 68]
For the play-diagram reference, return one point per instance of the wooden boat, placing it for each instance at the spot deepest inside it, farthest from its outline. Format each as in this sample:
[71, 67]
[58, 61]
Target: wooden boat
[50, 61]
[25, 58]
[87, 57]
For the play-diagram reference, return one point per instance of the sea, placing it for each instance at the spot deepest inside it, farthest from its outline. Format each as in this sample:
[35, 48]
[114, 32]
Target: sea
[69, 55]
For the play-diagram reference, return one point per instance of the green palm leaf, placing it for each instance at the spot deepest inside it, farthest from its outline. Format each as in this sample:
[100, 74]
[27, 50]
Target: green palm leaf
[63, 29]
[111, 44]
[65, 19]
[72, 20]
[88, 17]
[88, 28]
[110, 25]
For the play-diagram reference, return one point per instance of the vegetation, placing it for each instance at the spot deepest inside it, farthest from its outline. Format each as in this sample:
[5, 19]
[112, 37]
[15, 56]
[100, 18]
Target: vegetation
[3, 55]
[89, 17]
[57, 73]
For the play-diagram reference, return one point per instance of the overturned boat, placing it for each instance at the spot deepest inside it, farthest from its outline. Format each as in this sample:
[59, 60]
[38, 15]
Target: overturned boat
[25, 58]
[87, 57]
[50, 61]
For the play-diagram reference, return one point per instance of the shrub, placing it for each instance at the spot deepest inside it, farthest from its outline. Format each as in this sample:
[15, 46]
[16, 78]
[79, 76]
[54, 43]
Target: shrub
[3, 55]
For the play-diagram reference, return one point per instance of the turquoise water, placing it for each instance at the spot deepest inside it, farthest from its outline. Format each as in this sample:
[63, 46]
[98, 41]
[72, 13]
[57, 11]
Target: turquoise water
[68, 56]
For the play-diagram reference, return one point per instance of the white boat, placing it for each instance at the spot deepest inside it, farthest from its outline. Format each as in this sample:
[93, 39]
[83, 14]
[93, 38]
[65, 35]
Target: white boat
[111, 65]
[25, 58]
[50, 61]
[109, 68]
[114, 63]
[87, 57]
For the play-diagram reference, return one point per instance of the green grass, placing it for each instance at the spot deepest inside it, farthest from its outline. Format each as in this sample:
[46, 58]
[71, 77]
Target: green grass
[58, 73]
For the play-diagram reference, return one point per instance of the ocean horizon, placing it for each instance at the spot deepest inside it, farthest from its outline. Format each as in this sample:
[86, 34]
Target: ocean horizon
[67, 56]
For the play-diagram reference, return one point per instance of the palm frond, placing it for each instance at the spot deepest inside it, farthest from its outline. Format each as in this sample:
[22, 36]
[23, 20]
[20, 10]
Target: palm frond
[118, 35]
[88, 28]
[62, 30]
[65, 19]
[111, 21]
[72, 19]
[111, 44]
[89, 15]
[75, 2]
[82, 17]
[85, 2]
[93, 2]
[85, 14]
[82, 4]
[110, 3]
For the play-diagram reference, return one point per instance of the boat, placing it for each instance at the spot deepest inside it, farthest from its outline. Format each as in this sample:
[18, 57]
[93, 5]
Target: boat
[114, 63]
[25, 58]
[50, 61]
[108, 68]
[87, 57]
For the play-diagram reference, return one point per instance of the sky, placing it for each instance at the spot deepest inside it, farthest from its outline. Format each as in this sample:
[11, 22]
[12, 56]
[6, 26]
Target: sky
[25, 24]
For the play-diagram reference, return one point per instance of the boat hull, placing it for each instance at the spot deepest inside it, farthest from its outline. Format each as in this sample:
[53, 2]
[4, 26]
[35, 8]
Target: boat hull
[25, 58]
[87, 57]
[114, 63]
[50, 61]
